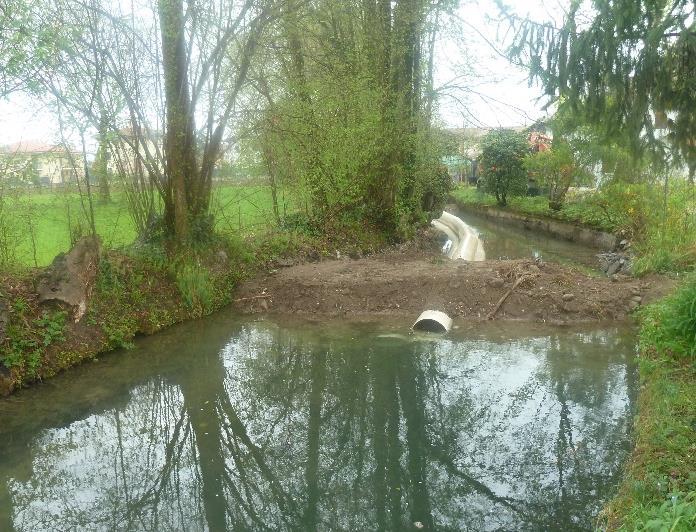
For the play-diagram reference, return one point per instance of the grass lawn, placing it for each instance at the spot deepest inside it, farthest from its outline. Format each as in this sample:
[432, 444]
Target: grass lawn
[39, 223]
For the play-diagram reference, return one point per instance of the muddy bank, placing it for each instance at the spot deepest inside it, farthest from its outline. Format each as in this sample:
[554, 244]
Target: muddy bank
[556, 228]
[396, 284]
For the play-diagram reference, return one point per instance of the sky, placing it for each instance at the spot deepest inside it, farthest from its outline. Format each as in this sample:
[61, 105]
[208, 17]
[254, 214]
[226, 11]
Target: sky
[491, 91]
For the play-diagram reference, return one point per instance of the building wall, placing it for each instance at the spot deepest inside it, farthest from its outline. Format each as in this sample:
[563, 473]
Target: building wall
[41, 168]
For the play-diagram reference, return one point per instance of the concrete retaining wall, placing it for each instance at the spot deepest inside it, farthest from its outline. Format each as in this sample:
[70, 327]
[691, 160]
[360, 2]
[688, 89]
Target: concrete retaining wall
[556, 228]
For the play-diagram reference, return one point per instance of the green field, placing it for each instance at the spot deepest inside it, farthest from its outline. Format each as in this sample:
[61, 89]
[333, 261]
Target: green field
[37, 226]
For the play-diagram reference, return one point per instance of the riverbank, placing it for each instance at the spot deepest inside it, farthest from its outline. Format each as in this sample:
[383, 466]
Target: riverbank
[659, 486]
[572, 232]
[661, 230]
[130, 296]
[143, 292]
[101, 304]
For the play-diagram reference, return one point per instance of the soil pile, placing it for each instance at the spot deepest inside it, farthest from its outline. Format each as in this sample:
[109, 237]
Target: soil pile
[408, 283]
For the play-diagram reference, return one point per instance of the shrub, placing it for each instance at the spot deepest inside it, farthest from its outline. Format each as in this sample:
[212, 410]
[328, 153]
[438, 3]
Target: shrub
[670, 325]
[195, 286]
[557, 170]
[502, 166]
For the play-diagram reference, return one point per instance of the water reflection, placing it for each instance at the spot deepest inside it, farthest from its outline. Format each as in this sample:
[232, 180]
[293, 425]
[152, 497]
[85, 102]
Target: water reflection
[300, 428]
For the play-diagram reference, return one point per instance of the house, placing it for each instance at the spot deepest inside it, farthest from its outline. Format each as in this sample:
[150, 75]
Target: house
[40, 163]
[464, 165]
[129, 151]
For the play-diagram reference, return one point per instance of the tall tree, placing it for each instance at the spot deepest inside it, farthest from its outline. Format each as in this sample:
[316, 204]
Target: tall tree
[345, 99]
[142, 76]
[179, 142]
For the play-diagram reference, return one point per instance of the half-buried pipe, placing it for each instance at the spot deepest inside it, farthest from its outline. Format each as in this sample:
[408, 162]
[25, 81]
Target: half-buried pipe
[465, 242]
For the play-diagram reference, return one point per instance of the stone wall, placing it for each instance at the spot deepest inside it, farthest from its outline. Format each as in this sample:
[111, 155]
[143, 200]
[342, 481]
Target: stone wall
[556, 228]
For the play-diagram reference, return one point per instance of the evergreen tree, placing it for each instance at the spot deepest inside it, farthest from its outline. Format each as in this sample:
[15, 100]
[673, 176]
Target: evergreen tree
[628, 66]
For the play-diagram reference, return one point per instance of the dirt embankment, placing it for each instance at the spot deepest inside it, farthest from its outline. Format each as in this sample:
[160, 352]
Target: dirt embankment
[407, 284]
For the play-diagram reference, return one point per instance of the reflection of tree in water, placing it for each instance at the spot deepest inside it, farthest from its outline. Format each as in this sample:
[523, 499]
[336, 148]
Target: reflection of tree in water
[583, 422]
[286, 431]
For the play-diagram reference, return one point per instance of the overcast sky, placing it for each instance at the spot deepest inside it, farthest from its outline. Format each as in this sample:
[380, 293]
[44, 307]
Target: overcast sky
[491, 91]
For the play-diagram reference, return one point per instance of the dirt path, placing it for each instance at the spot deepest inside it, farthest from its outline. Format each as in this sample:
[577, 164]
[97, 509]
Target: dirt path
[406, 284]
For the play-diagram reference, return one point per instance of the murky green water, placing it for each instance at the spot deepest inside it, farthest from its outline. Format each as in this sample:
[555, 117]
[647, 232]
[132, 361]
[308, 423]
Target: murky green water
[251, 425]
[504, 241]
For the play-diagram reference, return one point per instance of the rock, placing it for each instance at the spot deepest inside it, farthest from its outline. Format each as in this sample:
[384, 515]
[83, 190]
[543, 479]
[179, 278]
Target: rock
[637, 299]
[624, 244]
[495, 283]
[285, 263]
[614, 268]
[633, 305]
[70, 278]
[568, 297]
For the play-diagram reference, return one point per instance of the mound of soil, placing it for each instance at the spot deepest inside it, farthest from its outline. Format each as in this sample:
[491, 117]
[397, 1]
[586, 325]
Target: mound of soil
[405, 284]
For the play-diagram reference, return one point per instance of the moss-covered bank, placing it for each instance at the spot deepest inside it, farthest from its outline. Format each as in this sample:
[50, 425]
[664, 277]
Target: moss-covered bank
[132, 295]
[142, 290]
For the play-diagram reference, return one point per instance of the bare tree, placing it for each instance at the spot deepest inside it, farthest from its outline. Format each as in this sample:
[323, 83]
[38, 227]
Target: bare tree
[144, 77]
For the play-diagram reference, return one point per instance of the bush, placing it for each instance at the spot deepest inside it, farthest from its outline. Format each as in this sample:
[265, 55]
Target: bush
[196, 287]
[670, 325]
[557, 169]
[502, 164]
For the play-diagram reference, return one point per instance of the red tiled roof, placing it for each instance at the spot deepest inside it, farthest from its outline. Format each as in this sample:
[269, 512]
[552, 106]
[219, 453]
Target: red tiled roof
[33, 146]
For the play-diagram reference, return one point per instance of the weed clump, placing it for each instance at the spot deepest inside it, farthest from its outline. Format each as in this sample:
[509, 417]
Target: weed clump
[669, 326]
[195, 287]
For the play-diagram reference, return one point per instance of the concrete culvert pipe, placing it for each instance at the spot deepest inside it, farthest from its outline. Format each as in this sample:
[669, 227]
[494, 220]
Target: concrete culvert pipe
[433, 321]
[465, 242]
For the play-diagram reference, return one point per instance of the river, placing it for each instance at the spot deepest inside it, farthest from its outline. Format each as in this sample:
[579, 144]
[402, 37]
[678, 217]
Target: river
[231, 423]
[501, 240]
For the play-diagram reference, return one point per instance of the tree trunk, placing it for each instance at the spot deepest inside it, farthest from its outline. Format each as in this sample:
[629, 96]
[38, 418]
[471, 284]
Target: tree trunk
[382, 192]
[300, 87]
[179, 141]
[100, 168]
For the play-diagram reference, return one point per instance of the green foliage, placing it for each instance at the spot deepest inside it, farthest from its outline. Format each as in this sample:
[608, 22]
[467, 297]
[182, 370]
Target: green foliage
[348, 120]
[194, 284]
[670, 325]
[436, 191]
[617, 66]
[118, 335]
[502, 164]
[666, 242]
[28, 340]
[51, 327]
[676, 514]
[555, 169]
[659, 490]
[663, 232]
